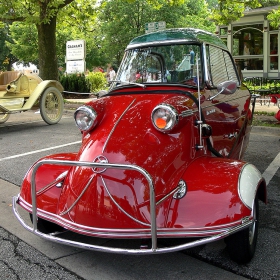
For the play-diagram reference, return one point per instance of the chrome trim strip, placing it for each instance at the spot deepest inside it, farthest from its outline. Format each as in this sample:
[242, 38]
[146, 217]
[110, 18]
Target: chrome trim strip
[168, 195]
[47, 187]
[241, 149]
[78, 198]
[115, 125]
[153, 227]
[141, 232]
[121, 209]
[153, 250]
[186, 113]
[52, 184]
[156, 43]
[206, 70]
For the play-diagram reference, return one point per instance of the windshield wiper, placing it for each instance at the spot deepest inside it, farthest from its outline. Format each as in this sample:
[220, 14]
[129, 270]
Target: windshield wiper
[127, 83]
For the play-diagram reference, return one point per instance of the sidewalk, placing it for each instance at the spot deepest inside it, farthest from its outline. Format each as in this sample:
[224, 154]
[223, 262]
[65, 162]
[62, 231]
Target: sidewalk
[265, 108]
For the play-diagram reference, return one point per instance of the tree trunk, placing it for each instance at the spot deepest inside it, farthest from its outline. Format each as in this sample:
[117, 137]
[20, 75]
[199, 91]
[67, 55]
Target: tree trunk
[48, 67]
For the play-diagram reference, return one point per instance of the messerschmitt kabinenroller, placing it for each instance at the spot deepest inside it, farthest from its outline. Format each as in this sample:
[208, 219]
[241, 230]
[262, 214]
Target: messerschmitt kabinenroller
[160, 159]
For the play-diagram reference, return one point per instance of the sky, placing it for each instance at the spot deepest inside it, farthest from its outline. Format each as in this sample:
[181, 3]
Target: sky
[21, 67]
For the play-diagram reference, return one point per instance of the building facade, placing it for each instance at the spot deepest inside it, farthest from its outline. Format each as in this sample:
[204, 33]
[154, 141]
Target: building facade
[254, 44]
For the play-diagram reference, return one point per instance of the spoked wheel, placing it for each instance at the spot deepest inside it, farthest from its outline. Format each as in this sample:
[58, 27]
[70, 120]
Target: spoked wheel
[241, 246]
[46, 226]
[4, 117]
[51, 105]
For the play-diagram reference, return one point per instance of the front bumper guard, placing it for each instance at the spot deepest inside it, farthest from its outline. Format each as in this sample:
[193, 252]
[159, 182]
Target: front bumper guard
[154, 248]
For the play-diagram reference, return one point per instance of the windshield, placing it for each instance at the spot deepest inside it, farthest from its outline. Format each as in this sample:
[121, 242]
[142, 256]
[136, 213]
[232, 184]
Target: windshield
[160, 64]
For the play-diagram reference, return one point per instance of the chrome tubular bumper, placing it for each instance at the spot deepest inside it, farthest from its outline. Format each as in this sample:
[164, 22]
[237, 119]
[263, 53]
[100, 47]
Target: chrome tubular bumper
[154, 238]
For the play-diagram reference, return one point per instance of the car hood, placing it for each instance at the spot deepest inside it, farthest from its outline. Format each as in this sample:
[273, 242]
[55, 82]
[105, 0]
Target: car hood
[126, 135]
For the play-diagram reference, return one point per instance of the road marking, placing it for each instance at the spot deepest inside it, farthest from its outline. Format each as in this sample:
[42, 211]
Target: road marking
[42, 150]
[271, 169]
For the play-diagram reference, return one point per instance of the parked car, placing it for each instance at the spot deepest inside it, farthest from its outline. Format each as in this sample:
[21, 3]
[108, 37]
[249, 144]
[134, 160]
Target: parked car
[20, 92]
[160, 159]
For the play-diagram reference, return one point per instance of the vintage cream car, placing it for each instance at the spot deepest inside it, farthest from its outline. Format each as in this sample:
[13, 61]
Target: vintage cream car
[19, 92]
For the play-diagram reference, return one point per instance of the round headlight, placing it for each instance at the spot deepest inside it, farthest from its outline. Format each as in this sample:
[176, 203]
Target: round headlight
[164, 117]
[85, 118]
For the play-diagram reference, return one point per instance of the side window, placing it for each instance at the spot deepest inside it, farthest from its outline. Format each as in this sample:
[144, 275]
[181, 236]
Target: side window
[220, 66]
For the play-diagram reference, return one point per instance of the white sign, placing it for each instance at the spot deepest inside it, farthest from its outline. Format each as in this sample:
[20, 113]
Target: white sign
[155, 26]
[75, 50]
[75, 66]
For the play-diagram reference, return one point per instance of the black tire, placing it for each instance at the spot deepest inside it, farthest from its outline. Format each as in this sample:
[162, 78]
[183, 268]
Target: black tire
[241, 246]
[46, 226]
[51, 105]
[4, 118]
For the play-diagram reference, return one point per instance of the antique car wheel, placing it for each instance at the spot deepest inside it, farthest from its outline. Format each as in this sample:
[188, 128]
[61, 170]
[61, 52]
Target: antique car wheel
[51, 105]
[4, 118]
[46, 226]
[241, 245]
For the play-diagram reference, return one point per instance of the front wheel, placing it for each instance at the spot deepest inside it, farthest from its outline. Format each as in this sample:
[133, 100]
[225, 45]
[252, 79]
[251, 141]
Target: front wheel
[241, 246]
[51, 105]
[4, 117]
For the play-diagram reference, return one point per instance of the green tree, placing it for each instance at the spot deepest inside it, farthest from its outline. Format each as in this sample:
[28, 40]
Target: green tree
[227, 11]
[123, 20]
[6, 57]
[274, 17]
[80, 22]
[24, 44]
[75, 21]
[197, 16]
[120, 22]
[55, 22]
[44, 15]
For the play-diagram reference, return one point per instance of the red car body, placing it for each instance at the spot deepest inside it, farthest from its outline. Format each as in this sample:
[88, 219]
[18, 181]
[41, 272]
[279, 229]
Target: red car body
[159, 158]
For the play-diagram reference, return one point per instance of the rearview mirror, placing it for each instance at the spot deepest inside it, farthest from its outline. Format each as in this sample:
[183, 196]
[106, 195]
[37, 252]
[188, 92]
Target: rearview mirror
[227, 87]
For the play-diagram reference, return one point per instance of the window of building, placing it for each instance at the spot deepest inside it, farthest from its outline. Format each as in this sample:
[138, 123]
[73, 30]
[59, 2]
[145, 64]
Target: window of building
[273, 27]
[224, 40]
[223, 31]
[247, 46]
[273, 52]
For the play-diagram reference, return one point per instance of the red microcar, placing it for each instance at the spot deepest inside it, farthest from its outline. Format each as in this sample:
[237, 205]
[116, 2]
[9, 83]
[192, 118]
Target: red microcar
[160, 159]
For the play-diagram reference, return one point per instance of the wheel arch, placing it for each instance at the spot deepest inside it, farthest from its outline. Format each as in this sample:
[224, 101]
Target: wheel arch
[250, 184]
[243, 179]
[35, 95]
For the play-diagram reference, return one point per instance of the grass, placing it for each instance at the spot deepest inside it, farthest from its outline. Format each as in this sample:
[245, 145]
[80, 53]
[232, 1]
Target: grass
[264, 113]
[257, 122]
[265, 119]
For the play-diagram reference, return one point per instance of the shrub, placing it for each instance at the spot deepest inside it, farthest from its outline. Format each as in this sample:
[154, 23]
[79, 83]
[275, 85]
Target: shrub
[75, 83]
[97, 81]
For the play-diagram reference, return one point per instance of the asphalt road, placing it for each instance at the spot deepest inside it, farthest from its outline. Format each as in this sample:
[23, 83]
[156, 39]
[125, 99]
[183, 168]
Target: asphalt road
[25, 138]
